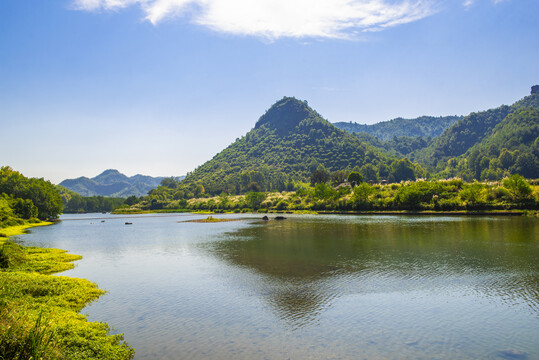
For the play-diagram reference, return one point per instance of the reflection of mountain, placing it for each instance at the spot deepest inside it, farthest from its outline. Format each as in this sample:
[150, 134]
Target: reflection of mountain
[301, 265]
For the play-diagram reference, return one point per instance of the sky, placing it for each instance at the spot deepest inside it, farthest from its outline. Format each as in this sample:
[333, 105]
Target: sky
[158, 87]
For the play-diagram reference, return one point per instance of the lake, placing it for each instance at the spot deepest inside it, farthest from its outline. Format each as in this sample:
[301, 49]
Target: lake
[311, 286]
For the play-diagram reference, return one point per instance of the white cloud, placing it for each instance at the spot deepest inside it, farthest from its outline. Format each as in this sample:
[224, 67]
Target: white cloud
[279, 18]
[468, 3]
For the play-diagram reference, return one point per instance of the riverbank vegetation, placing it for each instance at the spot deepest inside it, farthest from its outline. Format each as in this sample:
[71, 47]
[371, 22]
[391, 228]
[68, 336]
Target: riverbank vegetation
[74, 203]
[322, 194]
[39, 313]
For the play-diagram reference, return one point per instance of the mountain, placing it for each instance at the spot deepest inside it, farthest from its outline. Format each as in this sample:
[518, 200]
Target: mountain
[401, 146]
[469, 131]
[112, 183]
[424, 126]
[286, 144]
[512, 147]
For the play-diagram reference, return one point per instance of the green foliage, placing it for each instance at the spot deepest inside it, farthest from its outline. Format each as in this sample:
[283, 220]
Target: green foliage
[468, 148]
[41, 193]
[401, 170]
[355, 178]
[369, 173]
[338, 177]
[518, 187]
[472, 193]
[411, 196]
[75, 203]
[447, 195]
[324, 192]
[320, 175]
[424, 126]
[39, 314]
[254, 199]
[511, 149]
[288, 143]
[169, 182]
[361, 194]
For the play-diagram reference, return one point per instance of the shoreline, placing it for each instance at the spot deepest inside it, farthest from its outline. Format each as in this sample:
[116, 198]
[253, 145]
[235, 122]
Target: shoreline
[516, 212]
[36, 303]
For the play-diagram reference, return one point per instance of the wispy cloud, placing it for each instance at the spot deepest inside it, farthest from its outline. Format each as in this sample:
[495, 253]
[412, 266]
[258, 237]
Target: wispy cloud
[468, 3]
[273, 19]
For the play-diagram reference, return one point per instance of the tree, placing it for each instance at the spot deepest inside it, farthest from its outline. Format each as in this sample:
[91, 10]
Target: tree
[518, 187]
[320, 175]
[402, 170]
[254, 199]
[361, 193]
[169, 182]
[324, 192]
[25, 209]
[472, 193]
[338, 177]
[254, 186]
[527, 165]
[369, 172]
[355, 178]
[132, 200]
[383, 171]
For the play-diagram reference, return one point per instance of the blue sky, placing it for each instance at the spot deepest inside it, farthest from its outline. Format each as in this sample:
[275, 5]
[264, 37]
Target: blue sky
[160, 86]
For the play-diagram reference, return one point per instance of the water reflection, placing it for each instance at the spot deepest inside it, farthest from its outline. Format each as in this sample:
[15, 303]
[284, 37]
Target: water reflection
[301, 265]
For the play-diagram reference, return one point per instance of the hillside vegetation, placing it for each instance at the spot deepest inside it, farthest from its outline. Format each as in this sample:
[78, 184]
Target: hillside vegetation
[287, 144]
[474, 129]
[423, 126]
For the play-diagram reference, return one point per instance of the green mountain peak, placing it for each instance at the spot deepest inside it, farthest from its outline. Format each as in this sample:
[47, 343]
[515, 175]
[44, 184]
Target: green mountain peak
[285, 115]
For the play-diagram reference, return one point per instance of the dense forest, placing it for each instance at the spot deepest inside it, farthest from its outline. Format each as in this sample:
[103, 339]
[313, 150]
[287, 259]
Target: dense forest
[25, 199]
[423, 126]
[478, 128]
[75, 203]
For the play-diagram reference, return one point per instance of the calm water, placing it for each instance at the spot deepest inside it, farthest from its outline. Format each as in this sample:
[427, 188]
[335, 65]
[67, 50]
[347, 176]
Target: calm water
[311, 287]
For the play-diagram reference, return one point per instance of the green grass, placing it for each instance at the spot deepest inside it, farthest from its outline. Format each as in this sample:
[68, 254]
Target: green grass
[39, 313]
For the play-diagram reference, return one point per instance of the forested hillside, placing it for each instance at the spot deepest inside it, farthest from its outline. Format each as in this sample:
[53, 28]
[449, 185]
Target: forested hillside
[402, 146]
[424, 126]
[511, 148]
[469, 131]
[287, 144]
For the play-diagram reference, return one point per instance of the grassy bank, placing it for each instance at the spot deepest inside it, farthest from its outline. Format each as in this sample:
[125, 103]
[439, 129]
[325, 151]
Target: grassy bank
[39, 313]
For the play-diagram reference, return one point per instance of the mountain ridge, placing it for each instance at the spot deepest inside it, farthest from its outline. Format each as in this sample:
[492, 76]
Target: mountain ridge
[423, 126]
[112, 183]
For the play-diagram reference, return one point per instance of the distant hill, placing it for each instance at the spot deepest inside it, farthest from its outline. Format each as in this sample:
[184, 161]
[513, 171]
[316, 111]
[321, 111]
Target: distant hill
[287, 144]
[469, 131]
[112, 183]
[424, 126]
[512, 147]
